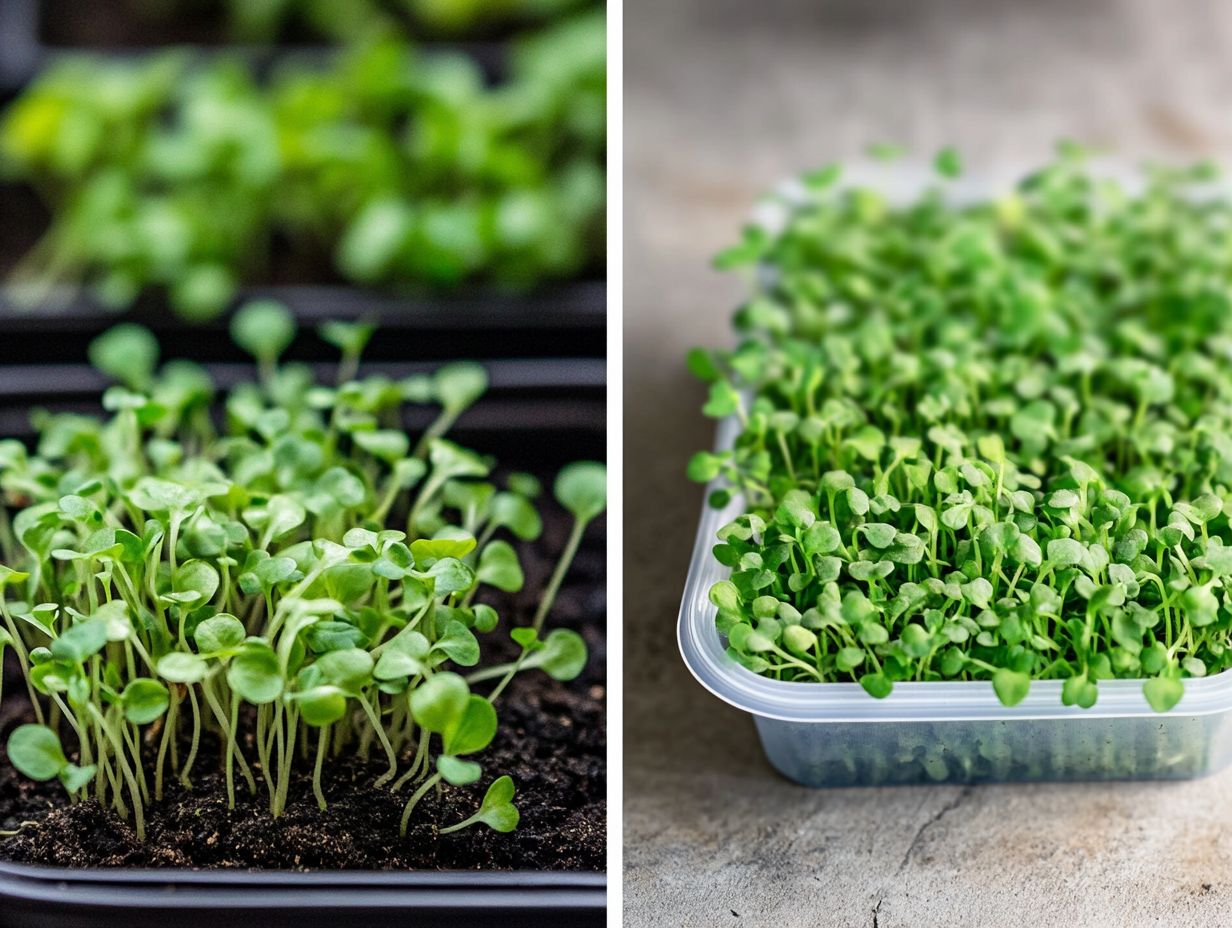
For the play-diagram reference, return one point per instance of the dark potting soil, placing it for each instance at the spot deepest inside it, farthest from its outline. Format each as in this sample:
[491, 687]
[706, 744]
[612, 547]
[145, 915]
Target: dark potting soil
[552, 740]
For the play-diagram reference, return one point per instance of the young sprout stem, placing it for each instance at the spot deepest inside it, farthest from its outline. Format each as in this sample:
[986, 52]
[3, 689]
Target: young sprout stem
[420, 760]
[21, 826]
[263, 747]
[232, 753]
[439, 427]
[414, 800]
[558, 575]
[426, 493]
[288, 753]
[322, 747]
[378, 729]
[129, 733]
[133, 788]
[390, 496]
[509, 675]
[348, 367]
[170, 730]
[186, 771]
[460, 825]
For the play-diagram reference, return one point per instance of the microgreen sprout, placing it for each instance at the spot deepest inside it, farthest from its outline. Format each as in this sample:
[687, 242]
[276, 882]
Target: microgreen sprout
[582, 489]
[264, 329]
[303, 583]
[985, 441]
[35, 751]
[497, 810]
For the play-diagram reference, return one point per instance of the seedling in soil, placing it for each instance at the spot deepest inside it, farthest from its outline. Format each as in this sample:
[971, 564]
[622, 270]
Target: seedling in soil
[35, 751]
[301, 583]
[582, 489]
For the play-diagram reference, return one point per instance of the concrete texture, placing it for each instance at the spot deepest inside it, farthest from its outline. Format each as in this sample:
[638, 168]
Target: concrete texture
[723, 98]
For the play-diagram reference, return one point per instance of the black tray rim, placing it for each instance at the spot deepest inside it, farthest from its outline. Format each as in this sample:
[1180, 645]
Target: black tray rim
[212, 897]
[51, 381]
[578, 303]
[495, 879]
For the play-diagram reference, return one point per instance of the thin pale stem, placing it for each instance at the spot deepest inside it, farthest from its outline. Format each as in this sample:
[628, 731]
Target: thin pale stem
[322, 748]
[558, 576]
[414, 801]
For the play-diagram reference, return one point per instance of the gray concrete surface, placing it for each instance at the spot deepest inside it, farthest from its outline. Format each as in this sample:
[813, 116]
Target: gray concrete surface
[724, 97]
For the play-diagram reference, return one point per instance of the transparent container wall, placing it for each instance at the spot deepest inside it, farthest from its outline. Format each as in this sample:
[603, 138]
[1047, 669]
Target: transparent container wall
[835, 734]
[1004, 750]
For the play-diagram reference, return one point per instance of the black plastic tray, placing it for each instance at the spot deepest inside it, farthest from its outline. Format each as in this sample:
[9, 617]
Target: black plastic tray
[559, 321]
[537, 413]
[42, 897]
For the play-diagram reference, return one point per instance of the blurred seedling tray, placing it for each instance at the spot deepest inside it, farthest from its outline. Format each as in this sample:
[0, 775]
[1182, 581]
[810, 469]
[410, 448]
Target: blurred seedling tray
[33, 33]
[560, 319]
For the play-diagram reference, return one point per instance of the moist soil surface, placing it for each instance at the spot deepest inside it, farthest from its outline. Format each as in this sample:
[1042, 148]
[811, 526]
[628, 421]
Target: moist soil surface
[552, 741]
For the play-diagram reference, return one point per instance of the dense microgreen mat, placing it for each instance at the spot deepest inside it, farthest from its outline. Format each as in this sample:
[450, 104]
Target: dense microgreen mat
[305, 578]
[403, 165]
[982, 440]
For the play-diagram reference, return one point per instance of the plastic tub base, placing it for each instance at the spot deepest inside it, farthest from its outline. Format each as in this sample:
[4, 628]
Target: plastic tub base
[1002, 751]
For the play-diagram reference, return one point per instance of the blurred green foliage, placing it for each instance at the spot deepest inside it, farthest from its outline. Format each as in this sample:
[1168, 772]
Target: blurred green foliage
[402, 164]
[357, 20]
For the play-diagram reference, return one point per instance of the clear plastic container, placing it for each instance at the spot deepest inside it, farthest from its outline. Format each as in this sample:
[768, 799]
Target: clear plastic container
[835, 734]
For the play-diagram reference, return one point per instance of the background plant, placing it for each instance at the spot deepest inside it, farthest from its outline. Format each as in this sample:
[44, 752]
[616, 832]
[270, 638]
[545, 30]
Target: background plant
[359, 19]
[406, 167]
[309, 578]
[982, 441]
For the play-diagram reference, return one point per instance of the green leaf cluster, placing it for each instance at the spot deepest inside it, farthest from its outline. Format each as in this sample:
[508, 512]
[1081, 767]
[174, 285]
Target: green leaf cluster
[982, 441]
[308, 573]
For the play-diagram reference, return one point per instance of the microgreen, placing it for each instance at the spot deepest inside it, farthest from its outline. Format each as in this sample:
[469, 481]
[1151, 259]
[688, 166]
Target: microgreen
[582, 489]
[497, 810]
[984, 441]
[35, 751]
[304, 580]
[264, 329]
